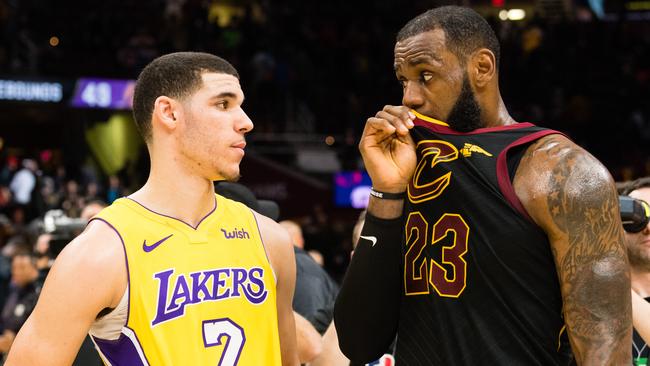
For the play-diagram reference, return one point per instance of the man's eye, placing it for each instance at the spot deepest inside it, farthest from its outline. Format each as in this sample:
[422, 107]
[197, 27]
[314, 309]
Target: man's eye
[223, 104]
[427, 77]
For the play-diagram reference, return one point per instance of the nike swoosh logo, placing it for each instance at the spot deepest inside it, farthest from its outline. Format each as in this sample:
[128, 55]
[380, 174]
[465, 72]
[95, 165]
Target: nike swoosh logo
[148, 248]
[373, 239]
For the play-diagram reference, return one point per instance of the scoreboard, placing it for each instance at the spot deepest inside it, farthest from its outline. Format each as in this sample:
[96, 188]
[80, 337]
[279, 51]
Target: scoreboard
[103, 93]
[86, 92]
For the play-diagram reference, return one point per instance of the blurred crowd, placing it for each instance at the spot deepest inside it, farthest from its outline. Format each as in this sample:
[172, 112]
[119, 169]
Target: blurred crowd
[324, 67]
[41, 210]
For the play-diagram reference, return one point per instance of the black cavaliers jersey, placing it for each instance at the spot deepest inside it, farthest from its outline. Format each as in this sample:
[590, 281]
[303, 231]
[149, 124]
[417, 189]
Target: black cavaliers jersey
[480, 284]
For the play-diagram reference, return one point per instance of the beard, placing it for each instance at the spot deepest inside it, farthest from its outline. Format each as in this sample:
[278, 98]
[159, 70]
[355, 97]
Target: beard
[639, 257]
[203, 156]
[465, 116]
[233, 178]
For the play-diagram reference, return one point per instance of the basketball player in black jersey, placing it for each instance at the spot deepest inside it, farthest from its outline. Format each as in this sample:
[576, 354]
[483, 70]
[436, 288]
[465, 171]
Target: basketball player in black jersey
[487, 241]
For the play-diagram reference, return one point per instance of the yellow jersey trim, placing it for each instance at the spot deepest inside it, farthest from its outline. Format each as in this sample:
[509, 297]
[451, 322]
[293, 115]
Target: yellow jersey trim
[429, 119]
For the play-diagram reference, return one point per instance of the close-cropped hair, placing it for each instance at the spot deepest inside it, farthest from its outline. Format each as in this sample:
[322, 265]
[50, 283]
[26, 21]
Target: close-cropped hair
[175, 75]
[466, 31]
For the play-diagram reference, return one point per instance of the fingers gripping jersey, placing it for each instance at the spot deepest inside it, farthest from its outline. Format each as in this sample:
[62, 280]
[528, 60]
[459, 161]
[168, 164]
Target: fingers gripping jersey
[197, 296]
[480, 285]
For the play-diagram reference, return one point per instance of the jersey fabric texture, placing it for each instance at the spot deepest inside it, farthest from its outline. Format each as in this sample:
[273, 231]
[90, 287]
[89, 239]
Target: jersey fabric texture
[480, 284]
[201, 295]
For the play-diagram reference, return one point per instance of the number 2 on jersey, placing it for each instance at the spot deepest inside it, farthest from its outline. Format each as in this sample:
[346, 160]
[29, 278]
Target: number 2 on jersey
[418, 273]
[215, 330]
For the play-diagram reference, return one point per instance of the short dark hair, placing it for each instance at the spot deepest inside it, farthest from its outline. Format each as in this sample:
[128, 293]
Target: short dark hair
[625, 188]
[175, 75]
[465, 30]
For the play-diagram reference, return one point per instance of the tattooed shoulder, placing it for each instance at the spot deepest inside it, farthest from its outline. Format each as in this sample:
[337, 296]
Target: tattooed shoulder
[572, 196]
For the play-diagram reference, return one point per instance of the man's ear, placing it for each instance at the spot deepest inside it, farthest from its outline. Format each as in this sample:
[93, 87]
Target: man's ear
[165, 112]
[483, 67]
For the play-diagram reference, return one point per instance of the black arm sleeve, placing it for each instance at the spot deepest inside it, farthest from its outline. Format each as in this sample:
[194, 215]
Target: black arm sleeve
[367, 307]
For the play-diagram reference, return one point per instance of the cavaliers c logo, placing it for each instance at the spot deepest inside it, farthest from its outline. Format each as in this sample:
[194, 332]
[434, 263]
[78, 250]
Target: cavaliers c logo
[436, 151]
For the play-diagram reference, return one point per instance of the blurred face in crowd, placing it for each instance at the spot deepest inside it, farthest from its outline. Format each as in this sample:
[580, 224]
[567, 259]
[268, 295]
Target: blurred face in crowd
[295, 232]
[23, 270]
[90, 210]
[41, 249]
[72, 188]
[638, 244]
[435, 82]
[42, 243]
[212, 135]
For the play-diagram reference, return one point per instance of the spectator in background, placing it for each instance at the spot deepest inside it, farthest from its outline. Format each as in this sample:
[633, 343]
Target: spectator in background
[23, 182]
[9, 169]
[92, 191]
[317, 257]
[6, 229]
[5, 199]
[50, 199]
[114, 189]
[315, 290]
[638, 251]
[91, 209]
[73, 202]
[43, 258]
[295, 231]
[22, 298]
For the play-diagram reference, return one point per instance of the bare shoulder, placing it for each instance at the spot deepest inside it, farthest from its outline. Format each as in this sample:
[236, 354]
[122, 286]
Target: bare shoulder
[275, 237]
[97, 253]
[99, 245]
[276, 240]
[560, 184]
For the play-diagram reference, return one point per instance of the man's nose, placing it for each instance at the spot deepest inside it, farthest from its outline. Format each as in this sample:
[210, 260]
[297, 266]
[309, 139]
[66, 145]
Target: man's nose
[244, 124]
[413, 97]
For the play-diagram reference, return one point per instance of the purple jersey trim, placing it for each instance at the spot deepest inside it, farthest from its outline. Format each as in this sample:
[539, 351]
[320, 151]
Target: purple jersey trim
[503, 175]
[174, 218]
[122, 351]
[449, 131]
[126, 262]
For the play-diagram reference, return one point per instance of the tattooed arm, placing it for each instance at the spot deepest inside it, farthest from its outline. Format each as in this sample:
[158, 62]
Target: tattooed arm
[572, 197]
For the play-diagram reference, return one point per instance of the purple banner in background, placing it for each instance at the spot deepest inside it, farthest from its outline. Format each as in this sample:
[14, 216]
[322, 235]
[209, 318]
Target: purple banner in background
[103, 93]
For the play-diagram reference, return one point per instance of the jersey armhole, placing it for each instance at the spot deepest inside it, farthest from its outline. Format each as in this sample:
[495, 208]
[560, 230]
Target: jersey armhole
[110, 325]
[504, 176]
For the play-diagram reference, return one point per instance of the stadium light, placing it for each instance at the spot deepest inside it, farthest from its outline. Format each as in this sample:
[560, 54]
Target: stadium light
[512, 14]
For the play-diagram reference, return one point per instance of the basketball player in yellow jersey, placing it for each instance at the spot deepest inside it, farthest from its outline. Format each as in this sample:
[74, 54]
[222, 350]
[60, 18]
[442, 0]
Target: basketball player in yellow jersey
[172, 274]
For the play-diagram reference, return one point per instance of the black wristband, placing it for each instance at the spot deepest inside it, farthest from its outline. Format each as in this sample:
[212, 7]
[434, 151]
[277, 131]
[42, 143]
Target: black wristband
[387, 195]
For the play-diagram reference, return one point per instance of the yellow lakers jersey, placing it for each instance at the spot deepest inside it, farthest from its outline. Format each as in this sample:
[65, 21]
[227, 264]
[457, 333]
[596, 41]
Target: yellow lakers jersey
[201, 295]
